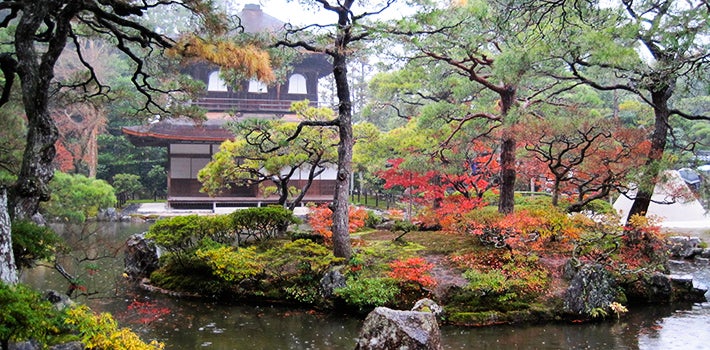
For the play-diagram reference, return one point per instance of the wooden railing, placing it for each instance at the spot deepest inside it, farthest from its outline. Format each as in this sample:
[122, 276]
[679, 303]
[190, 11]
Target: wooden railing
[220, 104]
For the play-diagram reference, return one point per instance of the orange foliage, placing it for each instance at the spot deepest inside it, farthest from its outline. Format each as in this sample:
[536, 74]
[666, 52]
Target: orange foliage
[321, 220]
[413, 270]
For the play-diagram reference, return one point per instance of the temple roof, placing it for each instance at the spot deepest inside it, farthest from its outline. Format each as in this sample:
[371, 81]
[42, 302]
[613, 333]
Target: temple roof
[186, 130]
[179, 130]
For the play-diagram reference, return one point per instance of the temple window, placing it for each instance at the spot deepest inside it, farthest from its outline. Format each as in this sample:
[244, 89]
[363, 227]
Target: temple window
[257, 86]
[297, 84]
[216, 83]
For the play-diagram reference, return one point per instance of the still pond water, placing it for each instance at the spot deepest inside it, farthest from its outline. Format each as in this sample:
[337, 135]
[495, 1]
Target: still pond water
[193, 324]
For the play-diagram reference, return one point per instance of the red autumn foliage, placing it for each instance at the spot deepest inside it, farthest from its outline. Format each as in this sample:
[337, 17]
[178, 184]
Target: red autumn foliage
[413, 270]
[446, 196]
[321, 220]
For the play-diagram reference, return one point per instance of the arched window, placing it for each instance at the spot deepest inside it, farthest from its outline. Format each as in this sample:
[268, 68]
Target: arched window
[216, 83]
[297, 84]
[257, 86]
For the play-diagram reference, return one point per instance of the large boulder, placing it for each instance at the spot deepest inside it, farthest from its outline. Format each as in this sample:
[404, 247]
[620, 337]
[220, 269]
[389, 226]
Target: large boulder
[141, 257]
[592, 288]
[662, 288]
[387, 329]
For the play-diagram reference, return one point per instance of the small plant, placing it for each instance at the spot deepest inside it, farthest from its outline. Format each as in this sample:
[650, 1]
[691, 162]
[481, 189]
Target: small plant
[618, 309]
[178, 235]
[598, 312]
[372, 219]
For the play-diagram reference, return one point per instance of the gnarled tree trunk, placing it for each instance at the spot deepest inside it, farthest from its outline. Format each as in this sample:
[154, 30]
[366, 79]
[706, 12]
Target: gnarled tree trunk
[36, 70]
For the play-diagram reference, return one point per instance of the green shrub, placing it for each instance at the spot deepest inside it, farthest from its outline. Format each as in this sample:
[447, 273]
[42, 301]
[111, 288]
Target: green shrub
[261, 223]
[195, 276]
[31, 243]
[25, 315]
[232, 265]
[366, 293]
[219, 228]
[516, 283]
[178, 235]
[299, 257]
[492, 282]
[77, 197]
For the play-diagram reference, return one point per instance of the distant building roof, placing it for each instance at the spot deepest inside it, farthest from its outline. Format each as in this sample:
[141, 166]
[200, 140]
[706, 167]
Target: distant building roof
[254, 20]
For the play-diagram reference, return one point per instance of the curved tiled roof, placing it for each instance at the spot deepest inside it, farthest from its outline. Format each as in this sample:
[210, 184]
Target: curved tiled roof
[171, 130]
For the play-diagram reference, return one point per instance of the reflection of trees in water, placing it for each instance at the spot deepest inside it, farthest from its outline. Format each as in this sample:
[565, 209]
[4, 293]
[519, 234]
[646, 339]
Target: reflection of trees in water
[90, 259]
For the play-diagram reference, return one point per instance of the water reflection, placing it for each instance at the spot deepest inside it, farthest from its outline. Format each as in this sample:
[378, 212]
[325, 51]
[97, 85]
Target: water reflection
[194, 324]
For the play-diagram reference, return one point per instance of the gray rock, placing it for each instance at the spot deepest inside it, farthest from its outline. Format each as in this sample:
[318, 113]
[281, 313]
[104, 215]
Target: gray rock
[60, 300]
[26, 345]
[332, 280]
[684, 247]
[108, 214]
[684, 289]
[428, 305]
[141, 257]
[570, 269]
[593, 287]
[75, 345]
[659, 287]
[387, 329]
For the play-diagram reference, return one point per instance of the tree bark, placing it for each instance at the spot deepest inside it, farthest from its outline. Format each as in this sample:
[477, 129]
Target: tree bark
[506, 203]
[642, 200]
[341, 203]
[341, 221]
[8, 269]
[36, 71]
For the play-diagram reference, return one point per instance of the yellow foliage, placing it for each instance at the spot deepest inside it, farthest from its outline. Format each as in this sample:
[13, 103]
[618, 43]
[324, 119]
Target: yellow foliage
[248, 59]
[102, 332]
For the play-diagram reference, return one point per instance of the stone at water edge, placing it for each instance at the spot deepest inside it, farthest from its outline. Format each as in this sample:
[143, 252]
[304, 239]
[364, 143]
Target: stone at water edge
[141, 257]
[428, 305]
[387, 329]
[593, 287]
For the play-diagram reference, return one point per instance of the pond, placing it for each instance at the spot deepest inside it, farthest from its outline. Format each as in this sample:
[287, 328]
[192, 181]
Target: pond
[183, 323]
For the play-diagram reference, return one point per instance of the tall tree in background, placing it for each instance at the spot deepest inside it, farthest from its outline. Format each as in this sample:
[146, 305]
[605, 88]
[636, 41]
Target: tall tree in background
[649, 48]
[481, 60]
[337, 41]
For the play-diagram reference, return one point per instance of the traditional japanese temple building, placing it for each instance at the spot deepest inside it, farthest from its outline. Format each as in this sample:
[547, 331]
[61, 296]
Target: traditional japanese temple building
[191, 145]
